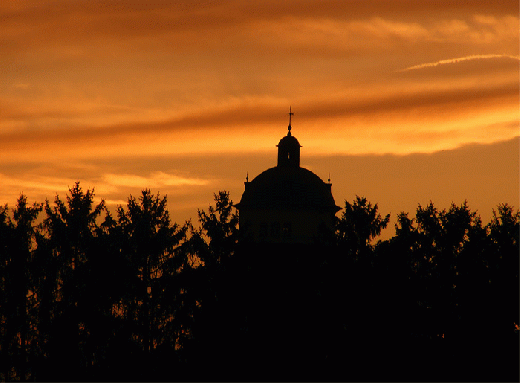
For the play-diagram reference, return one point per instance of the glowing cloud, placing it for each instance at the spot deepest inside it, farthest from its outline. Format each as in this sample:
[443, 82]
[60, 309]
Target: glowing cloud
[156, 179]
[457, 60]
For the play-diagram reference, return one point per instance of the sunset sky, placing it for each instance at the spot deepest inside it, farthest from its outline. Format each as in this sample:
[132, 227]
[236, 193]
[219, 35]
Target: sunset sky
[401, 101]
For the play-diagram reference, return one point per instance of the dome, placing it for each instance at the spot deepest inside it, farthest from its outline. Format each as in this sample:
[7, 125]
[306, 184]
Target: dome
[288, 188]
[289, 141]
[287, 203]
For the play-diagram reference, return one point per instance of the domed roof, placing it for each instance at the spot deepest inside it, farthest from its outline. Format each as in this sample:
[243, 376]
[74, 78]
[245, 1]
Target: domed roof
[289, 141]
[287, 187]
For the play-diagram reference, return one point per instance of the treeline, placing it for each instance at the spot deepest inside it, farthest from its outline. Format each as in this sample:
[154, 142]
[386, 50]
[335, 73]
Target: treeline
[88, 295]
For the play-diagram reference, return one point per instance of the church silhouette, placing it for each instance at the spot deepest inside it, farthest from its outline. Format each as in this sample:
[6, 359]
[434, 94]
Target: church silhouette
[276, 315]
[286, 203]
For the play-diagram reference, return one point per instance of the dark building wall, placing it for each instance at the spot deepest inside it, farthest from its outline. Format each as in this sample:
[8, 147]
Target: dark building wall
[303, 225]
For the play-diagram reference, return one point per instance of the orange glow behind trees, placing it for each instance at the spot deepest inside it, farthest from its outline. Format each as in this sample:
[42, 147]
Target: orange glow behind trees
[133, 96]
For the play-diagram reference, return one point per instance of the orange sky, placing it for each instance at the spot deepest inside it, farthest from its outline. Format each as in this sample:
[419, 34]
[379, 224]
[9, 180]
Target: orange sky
[401, 101]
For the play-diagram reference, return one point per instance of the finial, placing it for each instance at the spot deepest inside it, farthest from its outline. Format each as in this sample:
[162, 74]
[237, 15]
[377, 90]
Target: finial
[290, 115]
[329, 177]
[247, 177]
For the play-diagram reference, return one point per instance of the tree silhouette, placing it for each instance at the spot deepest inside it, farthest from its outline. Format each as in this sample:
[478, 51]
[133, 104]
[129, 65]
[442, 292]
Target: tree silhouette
[502, 311]
[71, 235]
[443, 259]
[149, 244]
[18, 303]
[88, 296]
[212, 250]
[219, 231]
[358, 225]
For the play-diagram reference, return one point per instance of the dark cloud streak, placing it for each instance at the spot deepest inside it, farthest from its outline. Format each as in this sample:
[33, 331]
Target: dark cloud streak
[451, 102]
[74, 21]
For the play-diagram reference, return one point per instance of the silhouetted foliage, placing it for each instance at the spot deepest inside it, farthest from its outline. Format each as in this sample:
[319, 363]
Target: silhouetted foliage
[86, 295]
[149, 243]
[211, 248]
[70, 253]
[359, 224]
[452, 312]
[18, 305]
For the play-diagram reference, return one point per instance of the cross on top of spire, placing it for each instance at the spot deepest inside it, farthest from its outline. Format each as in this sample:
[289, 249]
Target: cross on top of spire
[290, 115]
